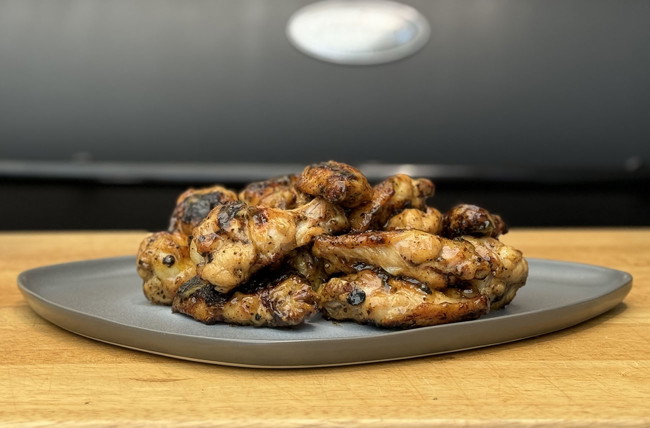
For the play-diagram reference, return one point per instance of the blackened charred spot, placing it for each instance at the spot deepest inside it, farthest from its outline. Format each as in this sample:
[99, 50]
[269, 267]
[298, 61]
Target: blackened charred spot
[169, 260]
[200, 290]
[228, 212]
[196, 207]
[384, 276]
[356, 297]
[359, 266]
[265, 278]
[269, 303]
[261, 186]
[339, 171]
[417, 284]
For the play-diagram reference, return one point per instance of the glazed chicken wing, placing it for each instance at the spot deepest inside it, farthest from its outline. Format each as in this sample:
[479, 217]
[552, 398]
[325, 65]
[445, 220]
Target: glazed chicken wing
[370, 297]
[163, 263]
[235, 240]
[335, 182]
[285, 301]
[193, 205]
[284, 248]
[280, 192]
[508, 270]
[389, 198]
[466, 219]
[412, 253]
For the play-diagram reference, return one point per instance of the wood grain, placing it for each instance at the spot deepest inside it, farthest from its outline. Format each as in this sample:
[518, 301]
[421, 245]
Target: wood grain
[596, 373]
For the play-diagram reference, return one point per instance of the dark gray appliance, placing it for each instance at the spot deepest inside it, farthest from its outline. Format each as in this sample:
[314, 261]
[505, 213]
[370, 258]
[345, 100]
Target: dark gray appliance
[537, 109]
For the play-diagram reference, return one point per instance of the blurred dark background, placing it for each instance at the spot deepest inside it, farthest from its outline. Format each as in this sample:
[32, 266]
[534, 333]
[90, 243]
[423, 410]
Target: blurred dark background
[536, 109]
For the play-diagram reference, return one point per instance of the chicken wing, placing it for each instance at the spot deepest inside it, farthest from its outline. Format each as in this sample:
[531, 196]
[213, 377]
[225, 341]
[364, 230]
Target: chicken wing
[274, 252]
[164, 264]
[389, 198]
[285, 301]
[193, 205]
[335, 182]
[508, 270]
[306, 264]
[235, 240]
[429, 221]
[280, 192]
[466, 219]
[415, 254]
[371, 297]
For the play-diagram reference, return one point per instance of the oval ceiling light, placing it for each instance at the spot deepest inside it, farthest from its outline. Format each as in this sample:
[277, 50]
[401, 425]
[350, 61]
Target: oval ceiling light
[358, 32]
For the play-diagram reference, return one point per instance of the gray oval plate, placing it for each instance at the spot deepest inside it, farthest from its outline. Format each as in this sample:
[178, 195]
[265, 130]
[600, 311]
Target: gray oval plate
[102, 299]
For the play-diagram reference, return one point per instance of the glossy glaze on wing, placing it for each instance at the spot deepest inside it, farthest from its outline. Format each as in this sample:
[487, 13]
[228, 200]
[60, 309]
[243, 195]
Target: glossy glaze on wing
[332, 242]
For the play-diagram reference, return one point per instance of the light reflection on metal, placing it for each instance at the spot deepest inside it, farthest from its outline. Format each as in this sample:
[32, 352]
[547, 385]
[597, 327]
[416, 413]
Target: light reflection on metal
[361, 32]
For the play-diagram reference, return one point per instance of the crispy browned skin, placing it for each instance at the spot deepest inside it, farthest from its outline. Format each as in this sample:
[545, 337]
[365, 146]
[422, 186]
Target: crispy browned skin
[286, 301]
[193, 205]
[508, 270]
[335, 182]
[370, 297]
[279, 192]
[235, 240]
[163, 263]
[429, 221]
[271, 254]
[428, 258]
[389, 198]
[306, 264]
[466, 219]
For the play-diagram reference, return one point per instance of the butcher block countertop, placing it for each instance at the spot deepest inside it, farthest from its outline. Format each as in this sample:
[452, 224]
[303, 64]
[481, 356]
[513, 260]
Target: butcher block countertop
[594, 374]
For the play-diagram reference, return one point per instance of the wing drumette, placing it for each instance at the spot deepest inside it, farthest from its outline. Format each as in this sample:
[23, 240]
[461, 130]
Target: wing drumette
[193, 205]
[163, 263]
[335, 182]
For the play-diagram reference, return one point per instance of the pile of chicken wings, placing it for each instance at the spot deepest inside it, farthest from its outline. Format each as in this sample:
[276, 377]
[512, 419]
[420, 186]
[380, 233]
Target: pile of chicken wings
[325, 240]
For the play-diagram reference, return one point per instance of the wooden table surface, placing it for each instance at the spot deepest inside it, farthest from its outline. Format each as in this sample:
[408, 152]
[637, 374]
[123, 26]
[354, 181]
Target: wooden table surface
[596, 373]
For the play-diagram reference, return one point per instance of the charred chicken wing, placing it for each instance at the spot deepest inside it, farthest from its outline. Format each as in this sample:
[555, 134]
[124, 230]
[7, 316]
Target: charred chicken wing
[235, 240]
[282, 249]
[285, 301]
[508, 270]
[389, 198]
[427, 258]
[194, 205]
[466, 219]
[335, 182]
[371, 297]
[163, 263]
[430, 221]
[280, 192]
